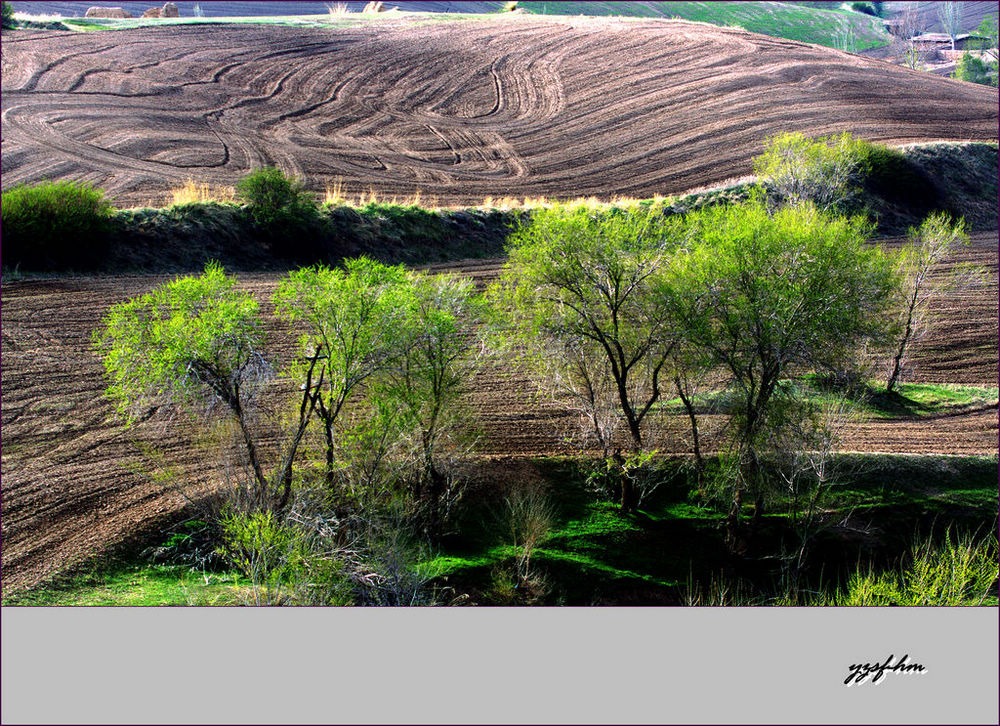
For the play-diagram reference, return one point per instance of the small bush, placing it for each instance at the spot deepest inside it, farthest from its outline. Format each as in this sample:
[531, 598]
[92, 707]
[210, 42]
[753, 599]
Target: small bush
[975, 70]
[283, 211]
[55, 225]
[273, 198]
[6, 16]
[960, 571]
[264, 550]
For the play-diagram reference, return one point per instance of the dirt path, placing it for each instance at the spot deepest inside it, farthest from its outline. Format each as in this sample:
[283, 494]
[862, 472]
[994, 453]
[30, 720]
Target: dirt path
[459, 110]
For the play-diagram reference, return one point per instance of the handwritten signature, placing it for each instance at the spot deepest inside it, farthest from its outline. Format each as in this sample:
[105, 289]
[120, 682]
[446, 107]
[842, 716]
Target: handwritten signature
[859, 672]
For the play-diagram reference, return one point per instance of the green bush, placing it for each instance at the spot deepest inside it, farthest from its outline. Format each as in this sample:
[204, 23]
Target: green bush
[975, 70]
[273, 198]
[284, 213]
[265, 551]
[959, 571]
[865, 7]
[55, 225]
[7, 13]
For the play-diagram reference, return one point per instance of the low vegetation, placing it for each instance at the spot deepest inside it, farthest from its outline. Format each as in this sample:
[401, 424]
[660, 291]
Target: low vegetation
[55, 225]
[782, 20]
[347, 475]
[897, 189]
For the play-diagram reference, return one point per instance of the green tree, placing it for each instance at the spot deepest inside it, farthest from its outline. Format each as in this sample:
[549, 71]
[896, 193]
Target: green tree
[441, 351]
[354, 320]
[825, 171]
[975, 70]
[930, 244]
[768, 295]
[196, 340]
[6, 16]
[988, 31]
[577, 293]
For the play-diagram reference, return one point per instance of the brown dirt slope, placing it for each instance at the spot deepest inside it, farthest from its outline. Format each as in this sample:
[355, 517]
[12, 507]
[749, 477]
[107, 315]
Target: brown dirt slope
[240, 8]
[75, 482]
[459, 110]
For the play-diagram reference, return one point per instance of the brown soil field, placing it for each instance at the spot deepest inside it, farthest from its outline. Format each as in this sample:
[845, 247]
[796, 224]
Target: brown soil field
[76, 482]
[458, 110]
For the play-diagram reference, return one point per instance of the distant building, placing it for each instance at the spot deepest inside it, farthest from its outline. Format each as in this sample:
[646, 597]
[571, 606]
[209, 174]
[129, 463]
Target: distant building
[942, 41]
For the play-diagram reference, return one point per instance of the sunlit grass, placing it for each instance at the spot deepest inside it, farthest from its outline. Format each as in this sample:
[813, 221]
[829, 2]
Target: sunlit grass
[192, 192]
[137, 585]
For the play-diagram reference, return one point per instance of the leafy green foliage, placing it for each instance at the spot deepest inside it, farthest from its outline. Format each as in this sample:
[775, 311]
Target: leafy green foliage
[825, 170]
[274, 198]
[577, 295]
[265, 550]
[958, 571]
[6, 15]
[193, 339]
[55, 225]
[765, 294]
[976, 70]
[283, 211]
[354, 319]
[936, 238]
[440, 354]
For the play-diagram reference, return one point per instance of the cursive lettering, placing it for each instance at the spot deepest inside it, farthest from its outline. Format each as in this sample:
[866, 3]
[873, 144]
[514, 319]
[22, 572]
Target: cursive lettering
[859, 672]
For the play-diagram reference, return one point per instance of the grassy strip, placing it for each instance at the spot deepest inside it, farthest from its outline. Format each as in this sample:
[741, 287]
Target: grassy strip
[821, 26]
[911, 400]
[781, 20]
[595, 555]
[902, 188]
[135, 583]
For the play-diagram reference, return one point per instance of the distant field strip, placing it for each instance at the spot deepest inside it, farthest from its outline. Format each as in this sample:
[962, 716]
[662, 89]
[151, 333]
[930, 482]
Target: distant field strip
[778, 19]
[518, 106]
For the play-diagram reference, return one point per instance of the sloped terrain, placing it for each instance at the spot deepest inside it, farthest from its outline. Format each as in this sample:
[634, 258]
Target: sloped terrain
[459, 110]
[75, 482]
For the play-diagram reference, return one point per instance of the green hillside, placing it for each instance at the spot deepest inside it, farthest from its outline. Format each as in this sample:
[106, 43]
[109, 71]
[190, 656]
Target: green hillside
[832, 28]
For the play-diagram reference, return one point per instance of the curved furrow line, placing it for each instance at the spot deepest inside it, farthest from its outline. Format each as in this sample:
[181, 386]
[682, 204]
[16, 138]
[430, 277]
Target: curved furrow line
[525, 106]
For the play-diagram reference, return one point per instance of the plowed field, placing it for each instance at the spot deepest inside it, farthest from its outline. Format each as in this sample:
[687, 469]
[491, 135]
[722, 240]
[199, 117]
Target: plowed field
[459, 110]
[72, 477]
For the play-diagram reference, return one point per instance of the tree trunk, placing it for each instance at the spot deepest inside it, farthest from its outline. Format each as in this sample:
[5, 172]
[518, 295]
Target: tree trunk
[689, 407]
[629, 500]
[758, 512]
[734, 528]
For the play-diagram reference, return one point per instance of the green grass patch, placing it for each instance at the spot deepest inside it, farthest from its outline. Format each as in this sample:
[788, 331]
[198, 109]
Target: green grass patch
[777, 19]
[136, 584]
[594, 554]
[910, 400]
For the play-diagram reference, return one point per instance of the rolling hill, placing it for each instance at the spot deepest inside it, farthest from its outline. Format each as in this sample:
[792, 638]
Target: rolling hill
[458, 110]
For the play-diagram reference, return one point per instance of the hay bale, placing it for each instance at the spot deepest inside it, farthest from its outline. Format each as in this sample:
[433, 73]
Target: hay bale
[101, 12]
[151, 13]
[170, 11]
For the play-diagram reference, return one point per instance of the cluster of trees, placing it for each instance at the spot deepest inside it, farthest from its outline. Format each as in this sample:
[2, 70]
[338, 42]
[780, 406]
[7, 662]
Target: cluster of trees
[614, 313]
[981, 68]
[385, 355]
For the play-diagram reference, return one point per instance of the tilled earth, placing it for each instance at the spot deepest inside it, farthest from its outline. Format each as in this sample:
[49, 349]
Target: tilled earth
[76, 482]
[458, 109]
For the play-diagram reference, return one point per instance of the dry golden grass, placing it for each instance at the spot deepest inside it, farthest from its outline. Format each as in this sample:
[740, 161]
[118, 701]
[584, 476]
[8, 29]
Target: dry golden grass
[194, 193]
